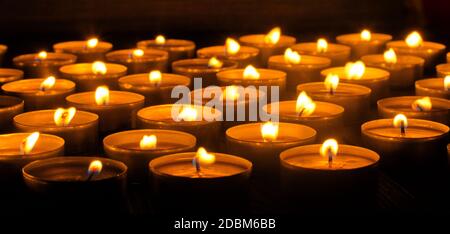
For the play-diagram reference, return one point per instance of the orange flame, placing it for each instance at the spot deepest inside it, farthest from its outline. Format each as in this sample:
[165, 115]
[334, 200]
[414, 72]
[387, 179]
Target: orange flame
[99, 67]
[250, 72]
[355, 70]
[188, 113]
[322, 45]
[331, 82]
[95, 168]
[400, 121]
[232, 46]
[160, 40]
[414, 40]
[137, 53]
[269, 131]
[366, 35]
[215, 63]
[204, 157]
[273, 36]
[329, 149]
[231, 93]
[148, 142]
[28, 143]
[102, 95]
[63, 117]
[42, 55]
[422, 104]
[447, 83]
[92, 43]
[48, 83]
[390, 56]
[155, 77]
[291, 56]
[305, 106]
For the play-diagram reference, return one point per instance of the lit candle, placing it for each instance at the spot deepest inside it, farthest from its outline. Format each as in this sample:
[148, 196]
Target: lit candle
[86, 51]
[233, 51]
[357, 73]
[443, 70]
[177, 49]
[137, 148]
[155, 86]
[41, 94]
[140, 60]
[3, 49]
[403, 69]
[79, 129]
[364, 43]
[116, 109]
[43, 64]
[203, 68]
[435, 87]
[414, 45]
[88, 76]
[434, 109]
[272, 43]
[299, 68]
[9, 107]
[339, 54]
[8, 75]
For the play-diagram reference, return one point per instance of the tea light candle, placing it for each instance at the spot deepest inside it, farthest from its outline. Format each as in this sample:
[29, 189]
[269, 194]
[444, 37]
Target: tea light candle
[322, 116]
[86, 51]
[443, 70]
[339, 54]
[196, 120]
[8, 75]
[177, 49]
[137, 148]
[434, 109]
[140, 61]
[273, 43]
[88, 76]
[3, 49]
[435, 87]
[116, 109]
[9, 107]
[41, 93]
[298, 68]
[233, 51]
[203, 68]
[364, 43]
[155, 86]
[403, 69]
[375, 79]
[43, 64]
[415, 46]
[79, 129]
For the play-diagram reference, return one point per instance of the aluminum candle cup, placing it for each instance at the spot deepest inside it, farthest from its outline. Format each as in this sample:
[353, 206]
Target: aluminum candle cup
[160, 117]
[38, 65]
[439, 112]
[309, 182]
[179, 188]
[360, 46]
[84, 52]
[80, 134]
[84, 75]
[339, 54]
[199, 68]
[129, 147]
[429, 51]
[138, 62]
[62, 184]
[443, 70]
[177, 49]
[9, 107]
[3, 49]
[37, 98]
[403, 73]
[155, 93]
[245, 56]
[434, 87]
[8, 75]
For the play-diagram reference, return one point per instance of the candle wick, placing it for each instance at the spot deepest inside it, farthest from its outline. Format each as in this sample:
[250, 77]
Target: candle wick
[331, 91]
[402, 129]
[90, 175]
[197, 165]
[300, 113]
[330, 159]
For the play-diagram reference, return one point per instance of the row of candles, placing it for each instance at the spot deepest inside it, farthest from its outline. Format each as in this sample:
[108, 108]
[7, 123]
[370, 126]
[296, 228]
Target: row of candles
[330, 93]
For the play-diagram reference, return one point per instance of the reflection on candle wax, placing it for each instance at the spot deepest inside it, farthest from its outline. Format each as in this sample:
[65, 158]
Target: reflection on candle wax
[342, 161]
[185, 169]
[159, 147]
[411, 132]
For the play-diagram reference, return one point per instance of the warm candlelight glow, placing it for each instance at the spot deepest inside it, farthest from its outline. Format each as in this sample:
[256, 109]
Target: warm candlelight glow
[366, 35]
[273, 36]
[28, 143]
[42, 55]
[329, 149]
[331, 82]
[92, 43]
[98, 67]
[232, 46]
[400, 121]
[48, 83]
[414, 40]
[251, 72]
[160, 40]
[305, 105]
[62, 117]
[102, 95]
[422, 104]
[204, 157]
[231, 93]
[95, 168]
[390, 56]
[269, 131]
[148, 142]
[215, 63]
[322, 45]
[138, 53]
[188, 113]
[155, 77]
[447, 83]
[291, 56]
[355, 70]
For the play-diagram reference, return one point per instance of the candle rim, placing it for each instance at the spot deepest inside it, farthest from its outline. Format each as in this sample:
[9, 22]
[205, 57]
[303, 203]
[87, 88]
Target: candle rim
[139, 99]
[265, 74]
[140, 115]
[128, 81]
[333, 48]
[115, 56]
[340, 71]
[279, 60]
[67, 71]
[26, 59]
[377, 38]
[219, 50]
[171, 44]
[33, 155]
[339, 113]
[307, 87]
[17, 103]
[10, 74]
[260, 94]
[93, 119]
[285, 40]
[57, 89]
[402, 59]
[401, 44]
[181, 65]
[79, 47]
[420, 84]
[438, 104]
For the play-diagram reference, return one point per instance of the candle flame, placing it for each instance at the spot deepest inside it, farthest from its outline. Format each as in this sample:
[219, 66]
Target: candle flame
[137, 53]
[92, 43]
[42, 55]
[98, 67]
[291, 56]
[366, 35]
[400, 121]
[305, 105]
[329, 149]
[63, 117]
[269, 131]
[48, 83]
[251, 72]
[215, 63]
[273, 36]
[155, 77]
[160, 40]
[322, 45]
[414, 40]
[331, 82]
[422, 104]
[232, 46]
[95, 168]
[231, 93]
[102, 95]
[148, 142]
[447, 83]
[28, 143]
[204, 157]
[188, 113]
[390, 56]
[355, 70]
